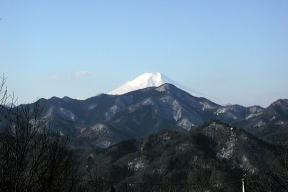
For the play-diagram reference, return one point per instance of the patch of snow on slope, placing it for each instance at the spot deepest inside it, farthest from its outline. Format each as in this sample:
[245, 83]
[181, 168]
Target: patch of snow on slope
[177, 110]
[183, 147]
[111, 112]
[227, 151]
[91, 107]
[253, 115]
[147, 102]
[260, 124]
[186, 124]
[136, 164]
[221, 110]
[49, 112]
[280, 123]
[245, 164]
[166, 137]
[67, 113]
[206, 105]
[98, 127]
[104, 144]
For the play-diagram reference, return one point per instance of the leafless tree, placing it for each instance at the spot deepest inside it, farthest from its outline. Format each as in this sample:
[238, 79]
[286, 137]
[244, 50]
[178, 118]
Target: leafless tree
[32, 158]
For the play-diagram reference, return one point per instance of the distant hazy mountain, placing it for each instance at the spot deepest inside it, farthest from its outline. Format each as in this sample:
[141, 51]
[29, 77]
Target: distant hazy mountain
[147, 80]
[214, 153]
[143, 81]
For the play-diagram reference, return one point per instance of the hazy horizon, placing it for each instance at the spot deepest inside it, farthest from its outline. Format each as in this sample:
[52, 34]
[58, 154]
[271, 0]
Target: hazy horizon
[234, 52]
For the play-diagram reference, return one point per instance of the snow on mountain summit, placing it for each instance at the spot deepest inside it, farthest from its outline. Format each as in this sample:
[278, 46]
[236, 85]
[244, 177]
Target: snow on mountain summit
[143, 81]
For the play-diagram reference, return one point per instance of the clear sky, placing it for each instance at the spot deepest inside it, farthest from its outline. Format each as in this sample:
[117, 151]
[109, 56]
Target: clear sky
[233, 51]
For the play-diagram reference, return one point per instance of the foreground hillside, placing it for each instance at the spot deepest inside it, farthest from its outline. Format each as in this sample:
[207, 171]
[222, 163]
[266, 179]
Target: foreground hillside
[215, 157]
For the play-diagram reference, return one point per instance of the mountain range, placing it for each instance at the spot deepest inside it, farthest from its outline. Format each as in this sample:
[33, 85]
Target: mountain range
[149, 104]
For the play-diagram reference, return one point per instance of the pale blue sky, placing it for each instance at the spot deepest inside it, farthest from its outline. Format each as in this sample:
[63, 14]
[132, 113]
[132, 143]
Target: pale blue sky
[233, 51]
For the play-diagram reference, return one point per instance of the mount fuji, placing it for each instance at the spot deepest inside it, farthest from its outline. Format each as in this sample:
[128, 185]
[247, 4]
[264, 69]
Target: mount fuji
[148, 80]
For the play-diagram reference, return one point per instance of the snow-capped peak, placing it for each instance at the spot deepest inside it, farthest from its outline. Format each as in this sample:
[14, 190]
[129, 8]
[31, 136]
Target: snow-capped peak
[143, 81]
